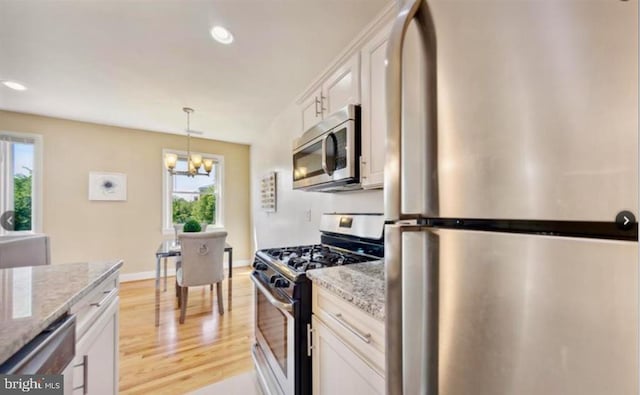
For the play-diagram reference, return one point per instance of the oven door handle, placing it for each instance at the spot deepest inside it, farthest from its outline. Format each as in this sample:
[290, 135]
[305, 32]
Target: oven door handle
[275, 302]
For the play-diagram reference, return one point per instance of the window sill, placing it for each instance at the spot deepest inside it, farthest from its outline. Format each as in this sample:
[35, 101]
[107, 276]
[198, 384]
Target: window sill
[171, 231]
[18, 233]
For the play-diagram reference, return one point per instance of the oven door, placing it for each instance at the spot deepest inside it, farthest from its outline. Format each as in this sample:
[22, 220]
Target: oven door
[329, 157]
[275, 325]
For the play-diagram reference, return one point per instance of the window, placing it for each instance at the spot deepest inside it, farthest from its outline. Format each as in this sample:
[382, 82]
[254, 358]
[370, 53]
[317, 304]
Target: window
[20, 172]
[198, 197]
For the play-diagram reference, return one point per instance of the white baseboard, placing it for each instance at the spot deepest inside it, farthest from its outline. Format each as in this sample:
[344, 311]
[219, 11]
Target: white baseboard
[171, 271]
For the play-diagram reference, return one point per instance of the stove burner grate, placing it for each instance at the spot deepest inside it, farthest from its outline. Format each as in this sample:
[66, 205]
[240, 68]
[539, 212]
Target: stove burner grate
[304, 258]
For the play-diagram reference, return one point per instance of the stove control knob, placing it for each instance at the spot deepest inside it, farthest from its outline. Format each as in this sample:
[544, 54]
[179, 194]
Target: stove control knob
[273, 278]
[261, 266]
[281, 283]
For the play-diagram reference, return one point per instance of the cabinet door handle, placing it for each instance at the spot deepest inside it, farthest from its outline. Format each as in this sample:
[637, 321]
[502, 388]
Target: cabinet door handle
[85, 375]
[318, 108]
[365, 337]
[362, 168]
[106, 297]
[309, 344]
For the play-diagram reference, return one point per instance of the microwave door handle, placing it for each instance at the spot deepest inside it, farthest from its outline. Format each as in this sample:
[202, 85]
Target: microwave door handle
[329, 166]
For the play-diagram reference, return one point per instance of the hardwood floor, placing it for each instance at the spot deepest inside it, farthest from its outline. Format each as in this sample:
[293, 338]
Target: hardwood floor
[175, 358]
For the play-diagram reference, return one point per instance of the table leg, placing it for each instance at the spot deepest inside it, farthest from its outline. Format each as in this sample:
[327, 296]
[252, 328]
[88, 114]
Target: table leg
[229, 294]
[165, 274]
[157, 291]
[230, 263]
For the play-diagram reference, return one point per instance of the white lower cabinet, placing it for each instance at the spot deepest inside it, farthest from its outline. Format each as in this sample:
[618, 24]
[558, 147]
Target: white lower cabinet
[337, 369]
[347, 348]
[96, 363]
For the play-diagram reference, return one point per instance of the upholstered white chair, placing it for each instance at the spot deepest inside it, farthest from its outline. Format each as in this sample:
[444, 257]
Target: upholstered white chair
[17, 251]
[201, 264]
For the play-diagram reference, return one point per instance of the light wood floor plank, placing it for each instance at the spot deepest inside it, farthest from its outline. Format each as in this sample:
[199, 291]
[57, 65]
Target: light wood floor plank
[174, 358]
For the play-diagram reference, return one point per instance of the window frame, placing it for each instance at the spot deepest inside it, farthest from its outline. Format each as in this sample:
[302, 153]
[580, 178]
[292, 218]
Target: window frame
[36, 191]
[167, 190]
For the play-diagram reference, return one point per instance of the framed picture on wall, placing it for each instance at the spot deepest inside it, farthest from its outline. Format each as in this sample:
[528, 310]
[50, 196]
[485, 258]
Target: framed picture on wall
[107, 186]
[268, 192]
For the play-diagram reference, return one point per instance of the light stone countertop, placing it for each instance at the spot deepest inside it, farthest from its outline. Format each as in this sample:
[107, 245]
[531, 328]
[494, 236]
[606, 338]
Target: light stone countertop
[361, 284]
[33, 297]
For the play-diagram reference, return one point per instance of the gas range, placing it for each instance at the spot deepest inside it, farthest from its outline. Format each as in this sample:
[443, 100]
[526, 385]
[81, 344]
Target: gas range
[283, 296]
[293, 262]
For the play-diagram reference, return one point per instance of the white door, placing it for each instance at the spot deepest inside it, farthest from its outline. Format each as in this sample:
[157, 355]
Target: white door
[311, 110]
[374, 112]
[343, 86]
[337, 369]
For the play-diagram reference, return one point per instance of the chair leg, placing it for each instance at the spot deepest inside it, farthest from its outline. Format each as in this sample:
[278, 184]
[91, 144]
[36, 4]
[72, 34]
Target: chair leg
[211, 287]
[179, 295]
[165, 274]
[220, 302]
[184, 292]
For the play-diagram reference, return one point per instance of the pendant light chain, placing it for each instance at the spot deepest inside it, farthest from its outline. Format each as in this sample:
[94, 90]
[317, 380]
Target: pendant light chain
[192, 170]
[189, 142]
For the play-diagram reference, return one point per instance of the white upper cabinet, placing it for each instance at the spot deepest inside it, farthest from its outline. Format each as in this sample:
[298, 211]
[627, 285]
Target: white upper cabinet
[357, 77]
[311, 109]
[374, 112]
[343, 86]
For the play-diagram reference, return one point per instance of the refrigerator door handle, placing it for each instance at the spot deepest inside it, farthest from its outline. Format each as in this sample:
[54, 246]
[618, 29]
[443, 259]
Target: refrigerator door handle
[393, 308]
[417, 10]
[423, 313]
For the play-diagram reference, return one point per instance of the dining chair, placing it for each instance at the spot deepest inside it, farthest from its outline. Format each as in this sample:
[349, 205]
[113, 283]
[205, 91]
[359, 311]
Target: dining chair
[24, 250]
[201, 264]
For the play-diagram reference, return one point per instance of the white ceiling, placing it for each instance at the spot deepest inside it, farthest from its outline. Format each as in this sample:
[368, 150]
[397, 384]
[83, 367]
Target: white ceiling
[137, 63]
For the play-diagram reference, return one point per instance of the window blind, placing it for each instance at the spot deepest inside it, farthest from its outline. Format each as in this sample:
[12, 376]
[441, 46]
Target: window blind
[15, 139]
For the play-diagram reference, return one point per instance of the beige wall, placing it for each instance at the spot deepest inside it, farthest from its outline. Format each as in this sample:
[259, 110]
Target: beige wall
[82, 230]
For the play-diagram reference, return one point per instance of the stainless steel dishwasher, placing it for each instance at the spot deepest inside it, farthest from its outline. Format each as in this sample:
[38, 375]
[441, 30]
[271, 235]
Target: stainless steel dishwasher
[50, 352]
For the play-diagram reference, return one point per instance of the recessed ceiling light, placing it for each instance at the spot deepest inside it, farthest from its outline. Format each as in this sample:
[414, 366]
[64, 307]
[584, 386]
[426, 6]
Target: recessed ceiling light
[221, 35]
[14, 85]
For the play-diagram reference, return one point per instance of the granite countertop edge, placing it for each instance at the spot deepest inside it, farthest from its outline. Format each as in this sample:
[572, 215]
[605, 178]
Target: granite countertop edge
[66, 306]
[7, 350]
[375, 307]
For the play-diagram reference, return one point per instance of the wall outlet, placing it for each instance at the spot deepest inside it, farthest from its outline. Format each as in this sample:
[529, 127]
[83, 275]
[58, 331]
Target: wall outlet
[307, 215]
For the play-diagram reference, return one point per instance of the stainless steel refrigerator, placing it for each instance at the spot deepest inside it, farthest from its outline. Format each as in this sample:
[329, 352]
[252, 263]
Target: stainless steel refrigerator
[511, 190]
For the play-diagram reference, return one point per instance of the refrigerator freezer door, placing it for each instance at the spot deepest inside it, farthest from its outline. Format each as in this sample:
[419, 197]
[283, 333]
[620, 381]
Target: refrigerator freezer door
[537, 111]
[522, 314]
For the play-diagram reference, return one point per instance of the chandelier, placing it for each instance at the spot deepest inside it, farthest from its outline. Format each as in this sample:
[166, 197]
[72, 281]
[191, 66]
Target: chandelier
[194, 161]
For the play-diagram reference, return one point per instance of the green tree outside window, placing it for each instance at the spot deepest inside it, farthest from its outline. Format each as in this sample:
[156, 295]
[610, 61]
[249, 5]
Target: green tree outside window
[202, 209]
[22, 201]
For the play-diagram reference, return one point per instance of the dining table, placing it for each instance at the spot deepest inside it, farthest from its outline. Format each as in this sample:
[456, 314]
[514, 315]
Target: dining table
[171, 248]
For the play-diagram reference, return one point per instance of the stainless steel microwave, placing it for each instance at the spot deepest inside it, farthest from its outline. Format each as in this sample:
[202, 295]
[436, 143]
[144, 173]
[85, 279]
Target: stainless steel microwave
[326, 158]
